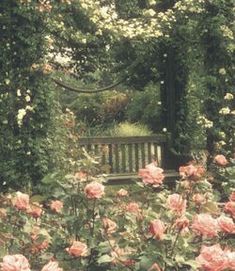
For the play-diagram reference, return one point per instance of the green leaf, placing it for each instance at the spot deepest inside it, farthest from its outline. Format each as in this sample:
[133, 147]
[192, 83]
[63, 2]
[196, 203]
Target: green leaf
[37, 198]
[145, 262]
[49, 179]
[104, 259]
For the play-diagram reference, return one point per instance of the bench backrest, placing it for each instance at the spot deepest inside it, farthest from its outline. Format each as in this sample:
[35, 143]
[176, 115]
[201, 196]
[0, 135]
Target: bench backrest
[126, 155]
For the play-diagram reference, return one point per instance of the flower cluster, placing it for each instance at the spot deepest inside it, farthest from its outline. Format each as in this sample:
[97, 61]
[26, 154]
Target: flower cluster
[187, 226]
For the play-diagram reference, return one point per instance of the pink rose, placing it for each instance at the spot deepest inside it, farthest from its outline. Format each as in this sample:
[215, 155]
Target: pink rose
[78, 249]
[212, 258]
[109, 225]
[35, 210]
[231, 260]
[192, 172]
[51, 266]
[122, 193]
[56, 206]
[152, 174]
[15, 262]
[232, 196]
[206, 225]
[154, 267]
[230, 208]
[181, 223]
[157, 229]
[94, 190]
[40, 240]
[198, 198]
[21, 201]
[176, 203]
[226, 224]
[220, 160]
[81, 175]
[133, 207]
[187, 171]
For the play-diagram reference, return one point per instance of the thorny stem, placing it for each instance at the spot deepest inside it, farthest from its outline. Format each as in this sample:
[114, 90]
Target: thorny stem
[93, 218]
[174, 244]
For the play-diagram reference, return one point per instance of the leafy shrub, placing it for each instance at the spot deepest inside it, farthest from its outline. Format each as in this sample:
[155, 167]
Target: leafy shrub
[130, 129]
[96, 112]
[145, 107]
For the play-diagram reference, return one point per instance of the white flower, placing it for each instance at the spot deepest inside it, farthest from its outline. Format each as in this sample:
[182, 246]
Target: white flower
[224, 111]
[149, 12]
[18, 92]
[7, 81]
[27, 98]
[21, 114]
[222, 143]
[222, 134]
[29, 108]
[164, 130]
[228, 96]
[222, 71]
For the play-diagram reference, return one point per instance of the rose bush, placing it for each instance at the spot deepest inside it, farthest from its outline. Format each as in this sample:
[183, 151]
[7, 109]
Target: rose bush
[81, 224]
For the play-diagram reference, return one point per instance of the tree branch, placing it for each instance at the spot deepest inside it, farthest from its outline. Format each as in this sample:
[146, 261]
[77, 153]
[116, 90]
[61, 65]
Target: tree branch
[97, 90]
[84, 90]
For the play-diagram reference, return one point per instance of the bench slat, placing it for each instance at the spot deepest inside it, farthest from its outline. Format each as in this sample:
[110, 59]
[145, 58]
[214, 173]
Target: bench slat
[126, 155]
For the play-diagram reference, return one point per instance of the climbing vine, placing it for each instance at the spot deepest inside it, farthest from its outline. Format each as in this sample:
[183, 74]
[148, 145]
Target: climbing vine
[28, 106]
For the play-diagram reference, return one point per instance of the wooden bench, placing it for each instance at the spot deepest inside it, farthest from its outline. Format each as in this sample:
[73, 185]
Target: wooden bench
[122, 157]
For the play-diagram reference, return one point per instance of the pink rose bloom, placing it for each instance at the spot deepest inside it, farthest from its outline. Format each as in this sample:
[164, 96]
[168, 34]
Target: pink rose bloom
[198, 198]
[39, 241]
[154, 267]
[187, 171]
[226, 224]
[152, 174]
[35, 210]
[122, 193]
[176, 203]
[94, 190]
[157, 229]
[231, 260]
[21, 201]
[206, 225]
[181, 223]
[56, 206]
[212, 258]
[192, 172]
[230, 208]
[81, 175]
[78, 249]
[232, 196]
[15, 262]
[133, 207]
[220, 160]
[109, 225]
[51, 266]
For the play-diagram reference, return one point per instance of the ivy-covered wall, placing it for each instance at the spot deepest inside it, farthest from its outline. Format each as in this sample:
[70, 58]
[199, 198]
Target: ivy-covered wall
[28, 106]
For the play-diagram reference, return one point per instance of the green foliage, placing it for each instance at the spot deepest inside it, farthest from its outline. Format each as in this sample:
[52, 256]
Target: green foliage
[150, 101]
[130, 129]
[28, 104]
